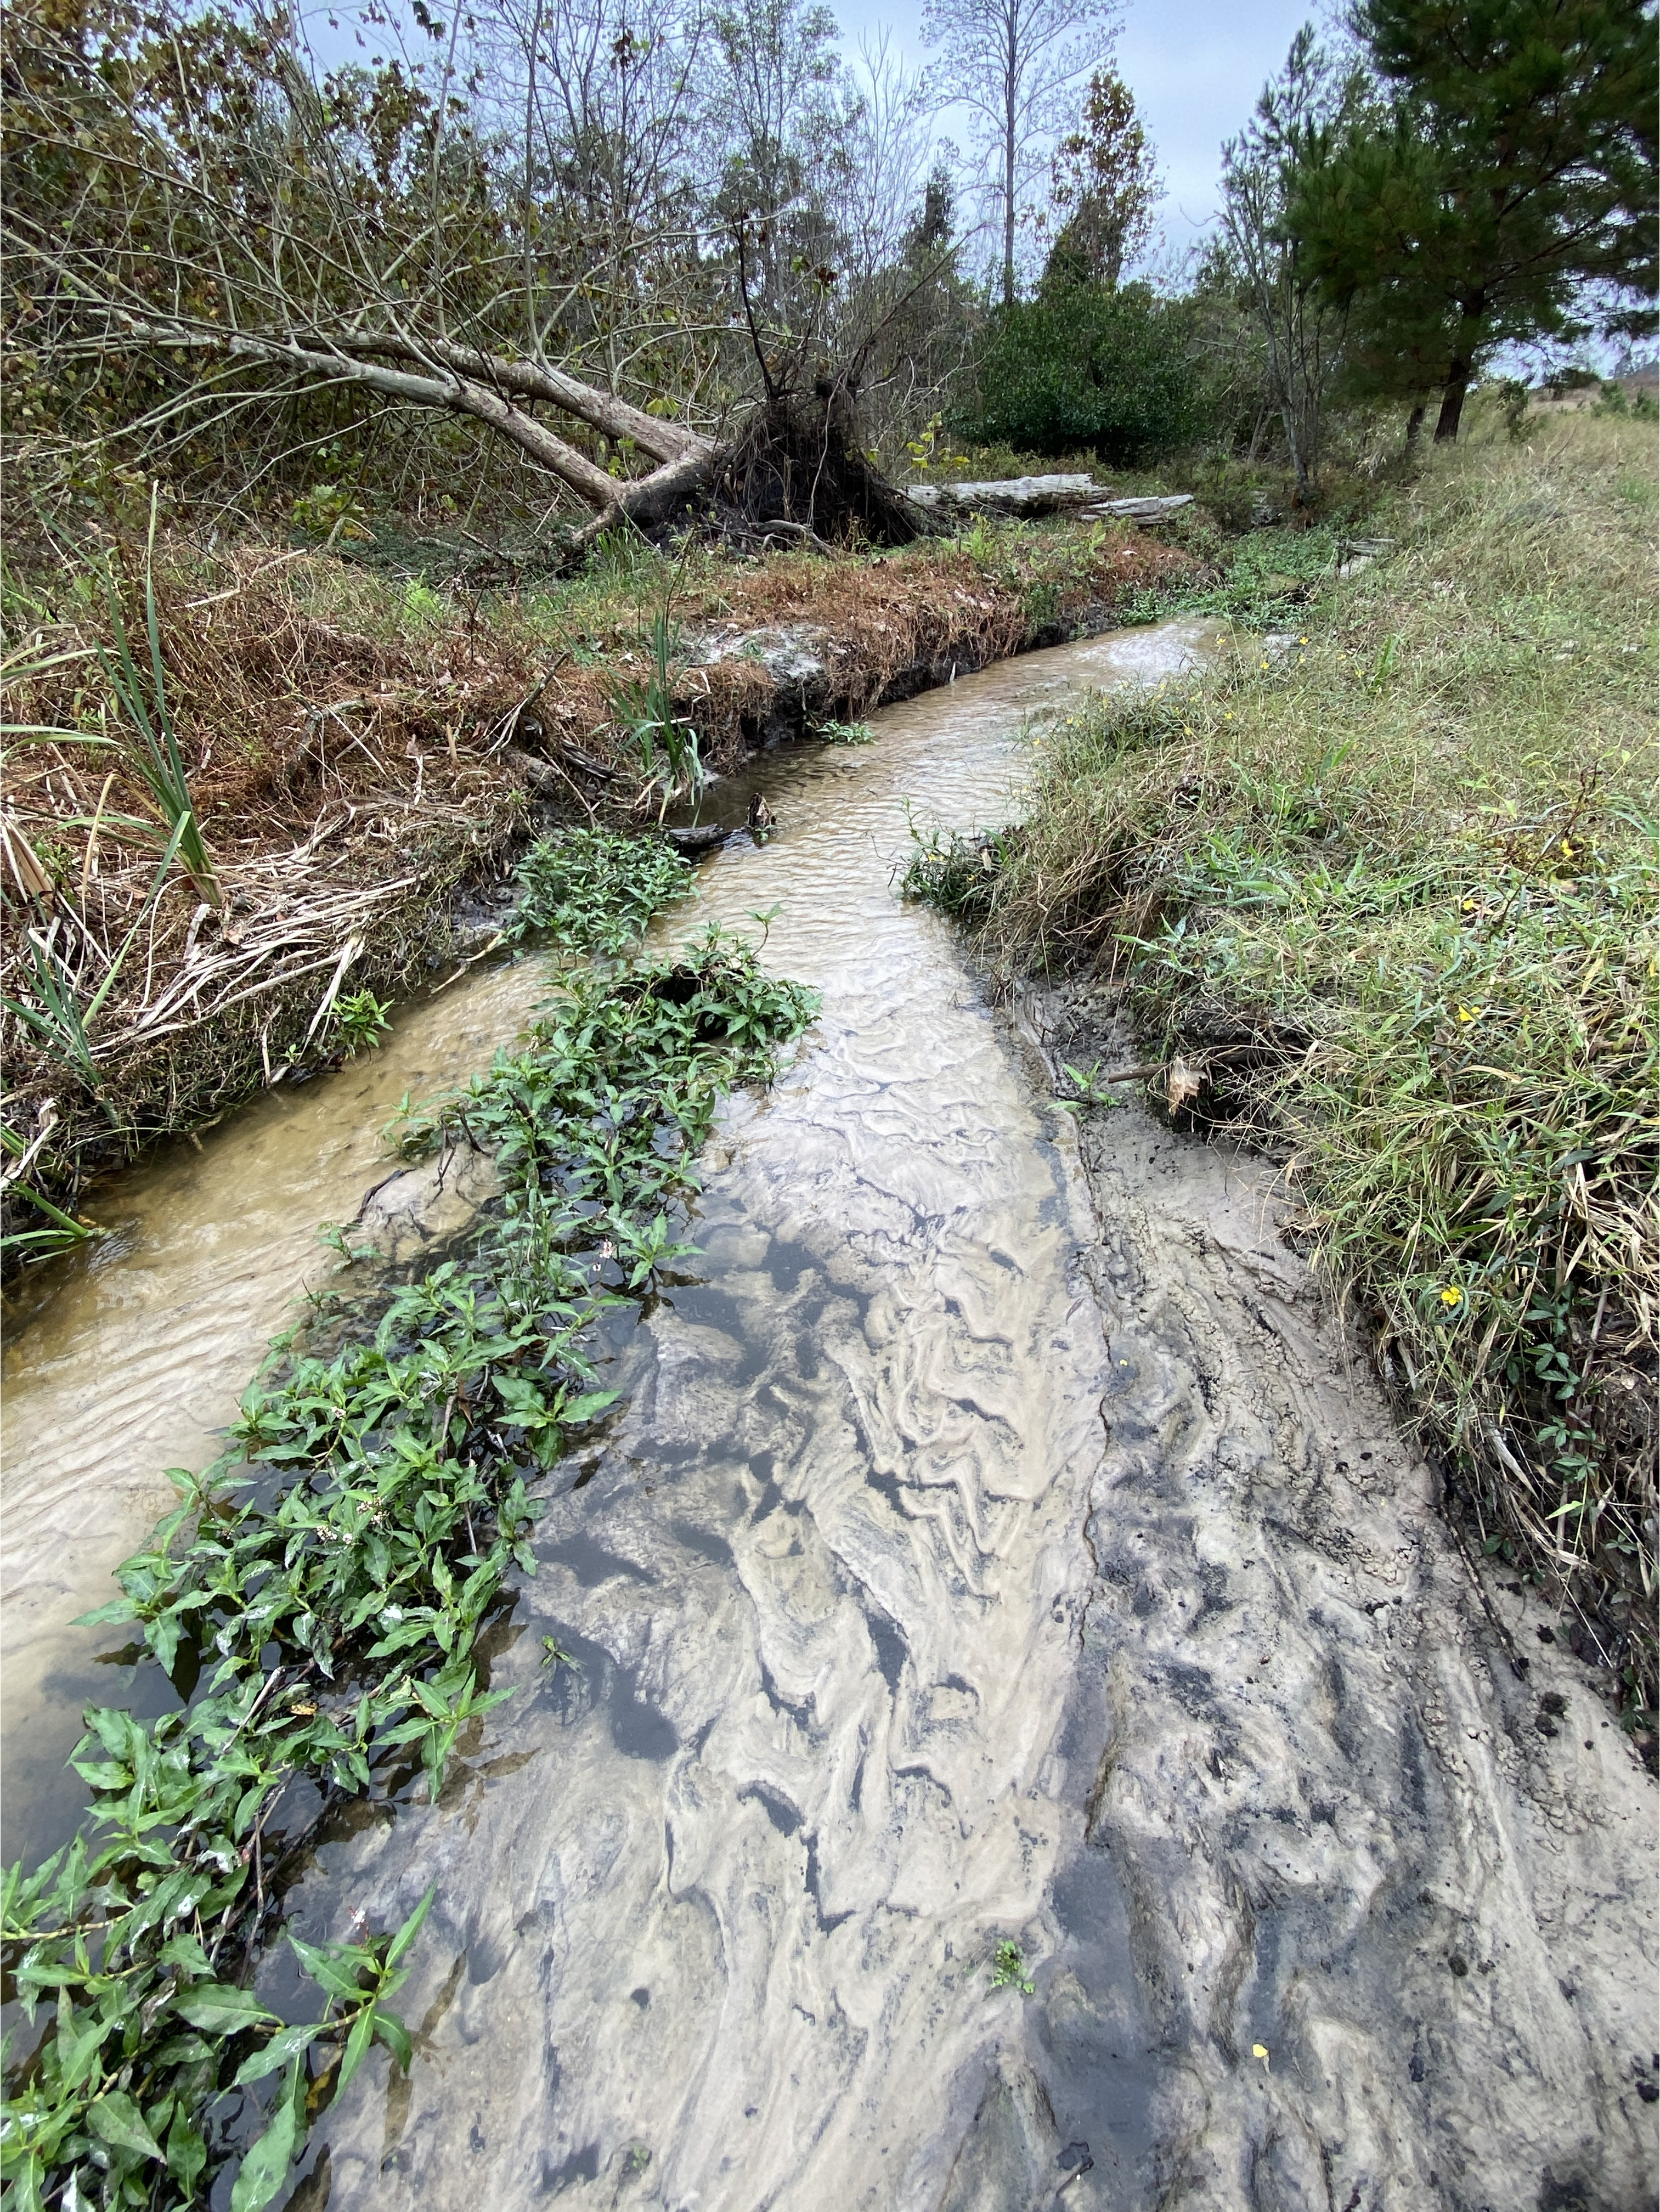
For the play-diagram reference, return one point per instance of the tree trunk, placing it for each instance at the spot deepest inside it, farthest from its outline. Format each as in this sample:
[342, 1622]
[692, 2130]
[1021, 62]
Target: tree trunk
[688, 458]
[1008, 203]
[600, 410]
[1472, 314]
[789, 470]
[1415, 424]
[1452, 403]
[1304, 494]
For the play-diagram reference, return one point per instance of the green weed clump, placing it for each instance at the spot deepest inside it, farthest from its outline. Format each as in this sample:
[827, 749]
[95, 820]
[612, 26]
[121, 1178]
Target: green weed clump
[594, 891]
[318, 1598]
[1264, 578]
[959, 874]
[1392, 891]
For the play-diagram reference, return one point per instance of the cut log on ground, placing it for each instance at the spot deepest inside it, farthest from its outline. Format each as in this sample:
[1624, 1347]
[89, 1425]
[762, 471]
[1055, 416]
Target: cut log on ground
[1142, 513]
[1013, 495]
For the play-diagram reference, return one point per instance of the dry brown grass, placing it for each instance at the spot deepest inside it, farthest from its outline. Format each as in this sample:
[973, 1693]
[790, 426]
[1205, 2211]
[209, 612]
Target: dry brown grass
[359, 749]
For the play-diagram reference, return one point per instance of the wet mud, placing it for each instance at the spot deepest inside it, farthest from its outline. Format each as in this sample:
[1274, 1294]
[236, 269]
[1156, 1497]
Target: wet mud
[997, 1547]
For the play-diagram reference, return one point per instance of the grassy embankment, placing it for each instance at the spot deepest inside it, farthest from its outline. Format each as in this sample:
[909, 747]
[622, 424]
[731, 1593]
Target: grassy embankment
[362, 740]
[1392, 894]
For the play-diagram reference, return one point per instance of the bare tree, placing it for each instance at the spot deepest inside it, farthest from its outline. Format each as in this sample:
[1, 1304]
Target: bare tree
[239, 223]
[608, 150]
[1012, 63]
[535, 230]
[1302, 327]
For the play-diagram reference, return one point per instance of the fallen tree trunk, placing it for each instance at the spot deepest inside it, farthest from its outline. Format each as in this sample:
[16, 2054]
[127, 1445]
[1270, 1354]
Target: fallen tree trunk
[663, 438]
[645, 500]
[792, 467]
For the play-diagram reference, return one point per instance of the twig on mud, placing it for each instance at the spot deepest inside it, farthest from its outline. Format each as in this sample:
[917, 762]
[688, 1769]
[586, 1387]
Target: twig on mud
[1518, 1665]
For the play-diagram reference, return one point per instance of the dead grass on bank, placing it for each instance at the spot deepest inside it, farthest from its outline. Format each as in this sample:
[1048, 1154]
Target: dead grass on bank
[360, 747]
[1392, 893]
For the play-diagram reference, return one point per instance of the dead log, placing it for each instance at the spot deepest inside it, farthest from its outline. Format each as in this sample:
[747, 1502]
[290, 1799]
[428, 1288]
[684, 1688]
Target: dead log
[794, 467]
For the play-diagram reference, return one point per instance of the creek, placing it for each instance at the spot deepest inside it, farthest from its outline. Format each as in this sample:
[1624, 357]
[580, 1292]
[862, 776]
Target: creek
[996, 1546]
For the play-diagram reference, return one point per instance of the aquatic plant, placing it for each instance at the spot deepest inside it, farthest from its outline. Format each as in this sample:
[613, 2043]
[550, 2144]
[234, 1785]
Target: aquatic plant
[360, 1019]
[595, 890]
[317, 1598]
[957, 874]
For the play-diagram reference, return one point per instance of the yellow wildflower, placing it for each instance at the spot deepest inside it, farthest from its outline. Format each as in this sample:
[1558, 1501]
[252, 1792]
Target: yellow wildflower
[1452, 1296]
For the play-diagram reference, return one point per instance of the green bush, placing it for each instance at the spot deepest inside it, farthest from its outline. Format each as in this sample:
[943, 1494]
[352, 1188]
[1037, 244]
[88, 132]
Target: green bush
[1114, 372]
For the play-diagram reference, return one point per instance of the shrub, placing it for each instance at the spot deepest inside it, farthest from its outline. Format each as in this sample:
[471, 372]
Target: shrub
[1114, 372]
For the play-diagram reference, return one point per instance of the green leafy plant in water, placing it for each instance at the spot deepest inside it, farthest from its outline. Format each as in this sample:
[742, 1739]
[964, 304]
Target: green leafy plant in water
[647, 1251]
[595, 890]
[333, 1235]
[1008, 1970]
[360, 1019]
[958, 874]
[325, 1626]
[847, 733]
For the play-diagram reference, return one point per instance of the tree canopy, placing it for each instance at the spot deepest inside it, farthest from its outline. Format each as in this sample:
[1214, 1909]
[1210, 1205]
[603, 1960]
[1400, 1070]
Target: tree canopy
[1499, 184]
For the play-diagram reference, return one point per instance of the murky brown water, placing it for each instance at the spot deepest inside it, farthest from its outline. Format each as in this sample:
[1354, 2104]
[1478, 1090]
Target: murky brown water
[966, 1567]
[127, 1359]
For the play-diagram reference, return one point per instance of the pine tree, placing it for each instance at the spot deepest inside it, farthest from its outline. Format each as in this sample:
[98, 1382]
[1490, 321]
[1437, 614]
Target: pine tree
[1503, 188]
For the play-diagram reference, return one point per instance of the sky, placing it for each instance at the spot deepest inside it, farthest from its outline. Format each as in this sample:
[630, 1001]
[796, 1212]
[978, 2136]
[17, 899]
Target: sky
[1194, 66]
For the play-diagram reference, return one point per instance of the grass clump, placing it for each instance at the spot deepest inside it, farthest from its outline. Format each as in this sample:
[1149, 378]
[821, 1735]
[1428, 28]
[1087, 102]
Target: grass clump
[1259, 580]
[595, 890]
[1008, 1970]
[1392, 893]
[318, 1599]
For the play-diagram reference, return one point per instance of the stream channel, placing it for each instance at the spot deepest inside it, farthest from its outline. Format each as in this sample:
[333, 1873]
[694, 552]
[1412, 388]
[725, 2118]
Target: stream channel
[997, 1544]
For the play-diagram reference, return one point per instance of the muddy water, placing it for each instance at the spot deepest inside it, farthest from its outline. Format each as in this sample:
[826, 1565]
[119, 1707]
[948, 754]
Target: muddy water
[971, 1564]
[129, 1358]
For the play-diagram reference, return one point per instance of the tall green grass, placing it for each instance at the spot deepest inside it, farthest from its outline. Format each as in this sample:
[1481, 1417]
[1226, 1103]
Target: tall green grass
[147, 743]
[1394, 888]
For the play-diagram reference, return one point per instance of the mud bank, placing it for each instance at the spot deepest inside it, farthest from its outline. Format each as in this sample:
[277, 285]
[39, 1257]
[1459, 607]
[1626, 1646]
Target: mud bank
[1382, 1865]
[996, 1548]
